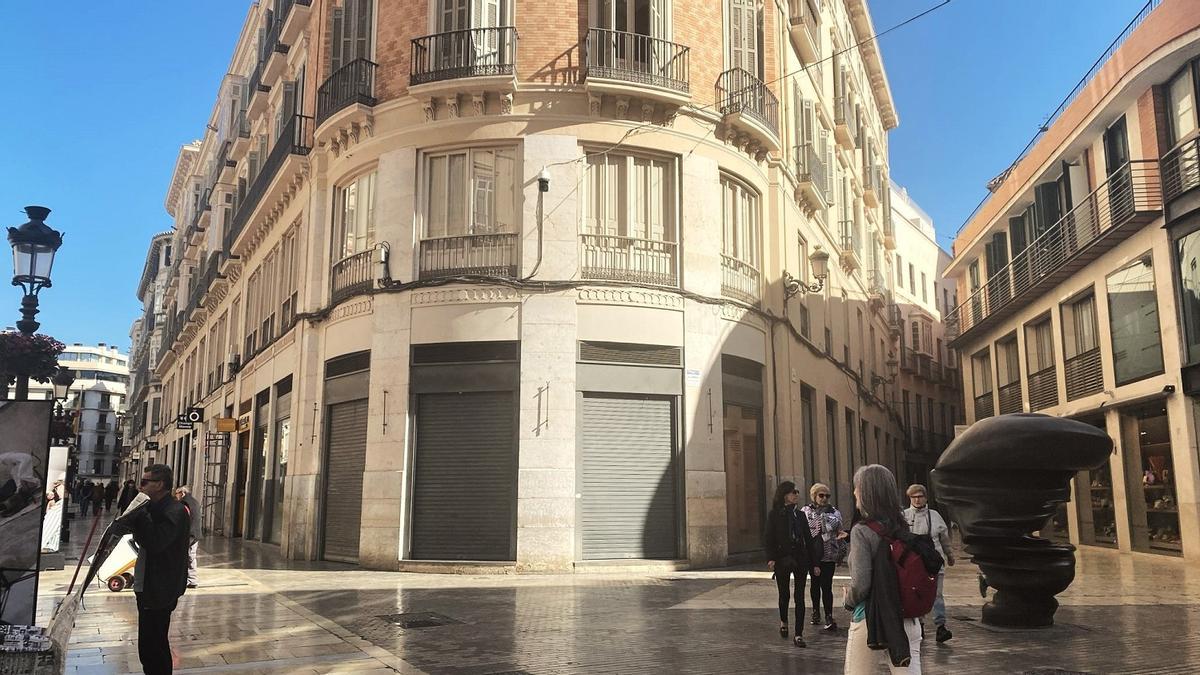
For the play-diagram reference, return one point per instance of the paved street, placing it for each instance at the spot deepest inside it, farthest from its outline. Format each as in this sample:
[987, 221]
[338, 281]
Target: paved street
[257, 614]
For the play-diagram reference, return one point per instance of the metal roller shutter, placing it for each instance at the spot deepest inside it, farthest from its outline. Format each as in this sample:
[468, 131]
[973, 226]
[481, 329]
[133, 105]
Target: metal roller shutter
[628, 480]
[344, 478]
[465, 478]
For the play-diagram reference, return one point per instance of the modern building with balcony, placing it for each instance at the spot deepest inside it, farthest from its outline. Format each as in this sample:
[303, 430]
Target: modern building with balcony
[1074, 278]
[531, 285]
[930, 394]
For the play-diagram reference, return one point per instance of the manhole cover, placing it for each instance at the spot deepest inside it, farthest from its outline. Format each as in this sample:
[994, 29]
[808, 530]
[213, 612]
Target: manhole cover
[418, 619]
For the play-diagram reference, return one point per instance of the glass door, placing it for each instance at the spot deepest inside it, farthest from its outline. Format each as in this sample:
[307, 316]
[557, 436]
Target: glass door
[1150, 471]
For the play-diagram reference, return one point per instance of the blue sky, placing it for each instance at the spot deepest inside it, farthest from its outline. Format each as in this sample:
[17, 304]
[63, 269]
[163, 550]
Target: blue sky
[100, 101]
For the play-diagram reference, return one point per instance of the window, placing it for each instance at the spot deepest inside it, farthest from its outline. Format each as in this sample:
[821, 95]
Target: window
[981, 365]
[630, 196]
[1039, 346]
[354, 217]
[912, 278]
[1133, 318]
[744, 35]
[899, 271]
[741, 228]
[831, 441]
[1181, 104]
[1079, 326]
[904, 397]
[828, 341]
[850, 438]
[471, 192]
[802, 259]
[808, 420]
[288, 285]
[1008, 361]
[924, 289]
[1187, 257]
[920, 416]
[350, 34]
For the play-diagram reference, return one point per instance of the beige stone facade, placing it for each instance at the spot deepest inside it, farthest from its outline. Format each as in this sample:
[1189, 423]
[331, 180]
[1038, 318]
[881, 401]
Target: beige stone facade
[517, 269]
[1076, 277]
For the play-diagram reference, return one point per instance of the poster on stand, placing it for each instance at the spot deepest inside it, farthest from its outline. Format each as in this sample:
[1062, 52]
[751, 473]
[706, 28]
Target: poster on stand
[56, 476]
[24, 464]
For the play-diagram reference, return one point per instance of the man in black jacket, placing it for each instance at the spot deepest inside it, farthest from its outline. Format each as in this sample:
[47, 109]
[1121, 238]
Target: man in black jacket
[161, 530]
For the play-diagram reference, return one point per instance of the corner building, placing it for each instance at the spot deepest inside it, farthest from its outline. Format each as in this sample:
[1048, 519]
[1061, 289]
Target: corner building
[506, 284]
[1077, 278]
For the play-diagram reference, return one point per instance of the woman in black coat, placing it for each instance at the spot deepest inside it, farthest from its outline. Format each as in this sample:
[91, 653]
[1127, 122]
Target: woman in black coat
[791, 552]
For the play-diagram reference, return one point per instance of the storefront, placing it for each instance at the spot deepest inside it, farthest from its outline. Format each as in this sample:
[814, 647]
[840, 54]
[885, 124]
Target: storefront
[1150, 477]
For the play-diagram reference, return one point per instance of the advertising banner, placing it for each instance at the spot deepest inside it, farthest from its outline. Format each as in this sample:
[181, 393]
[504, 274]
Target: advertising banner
[24, 464]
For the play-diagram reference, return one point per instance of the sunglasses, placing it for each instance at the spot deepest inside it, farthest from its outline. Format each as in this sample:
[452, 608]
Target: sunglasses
[794, 492]
[822, 495]
[147, 481]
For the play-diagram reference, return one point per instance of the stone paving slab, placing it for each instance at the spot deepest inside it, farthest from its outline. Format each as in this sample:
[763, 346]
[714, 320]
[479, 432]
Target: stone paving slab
[256, 613]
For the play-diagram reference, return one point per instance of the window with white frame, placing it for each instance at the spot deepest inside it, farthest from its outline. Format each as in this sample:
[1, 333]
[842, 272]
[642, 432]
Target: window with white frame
[354, 217]
[471, 192]
[741, 232]
[630, 196]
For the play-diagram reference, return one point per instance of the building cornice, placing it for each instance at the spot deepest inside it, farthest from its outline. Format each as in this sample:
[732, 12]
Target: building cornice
[179, 177]
[864, 31]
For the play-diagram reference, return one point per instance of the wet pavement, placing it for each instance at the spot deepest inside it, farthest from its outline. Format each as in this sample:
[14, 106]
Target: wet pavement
[256, 613]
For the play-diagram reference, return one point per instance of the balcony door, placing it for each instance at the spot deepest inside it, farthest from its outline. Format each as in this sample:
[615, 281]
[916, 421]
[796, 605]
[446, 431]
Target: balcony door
[743, 36]
[628, 34]
[1116, 167]
[465, 41]
[352, 30]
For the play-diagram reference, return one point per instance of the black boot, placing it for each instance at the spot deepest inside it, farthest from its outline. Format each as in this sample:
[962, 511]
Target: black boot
[816, 617]
[830, 624]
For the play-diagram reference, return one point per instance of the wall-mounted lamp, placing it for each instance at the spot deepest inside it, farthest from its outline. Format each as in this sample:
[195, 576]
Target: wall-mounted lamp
[893, 368]
[819, 260]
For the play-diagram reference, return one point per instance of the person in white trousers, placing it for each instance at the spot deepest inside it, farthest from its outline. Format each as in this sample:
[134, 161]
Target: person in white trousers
[923, 520]
[184, 494]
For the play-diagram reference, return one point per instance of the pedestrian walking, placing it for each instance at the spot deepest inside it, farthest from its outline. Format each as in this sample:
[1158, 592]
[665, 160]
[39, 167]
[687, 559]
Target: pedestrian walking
[873, 595]
[184, 495]
[97, 498]
[127, 494]
[161, 531]
[84, 495]
[110, 494]
[791, 551]
[923, 519]
[825, 523]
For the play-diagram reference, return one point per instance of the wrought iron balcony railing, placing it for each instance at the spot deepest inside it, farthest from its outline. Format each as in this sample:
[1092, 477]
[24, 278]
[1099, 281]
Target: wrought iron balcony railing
[643, 261]
[739, 91]
[632, 57]
[493, 255]
[1131, 197]
[474, 52]
[294, 139]
[810, 167]
[352, 275]
[1181, 169]
[740, 280]
[353, 83]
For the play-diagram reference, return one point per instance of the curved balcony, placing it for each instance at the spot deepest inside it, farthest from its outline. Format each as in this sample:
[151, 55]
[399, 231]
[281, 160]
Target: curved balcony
[629, 259]
[1131, 197]
[474, 59]
[352, 276]
[634, 65]
[494, 255]
[747, 104]
[740, 280]
[352, 84]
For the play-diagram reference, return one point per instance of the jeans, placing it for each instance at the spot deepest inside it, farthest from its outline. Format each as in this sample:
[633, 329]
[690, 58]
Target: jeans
[783, 574]
[822, 588]
[939, 603]
[862, 660]
[191, 574]
[154, 650]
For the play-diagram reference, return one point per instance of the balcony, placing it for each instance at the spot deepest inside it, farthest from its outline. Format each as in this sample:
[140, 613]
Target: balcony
[491, 255]
[1084, 374]
[877, 289]
[274, 49]
[1010, 398]
[1180, 175]
[1130, 198]
[352, 275]
[950, 376]
[850, 246]
[351, 85]
[889, 228]
[740, 280]
[202, 283]
[257, 92]
[475, 59]
[629, 259]
[294, 141]
[638, 66]
[815, 186]
[241, 136]
[748, 105]
[293, 17]
[805, 28]
[984, 406]
[845, 123]
[872, 185]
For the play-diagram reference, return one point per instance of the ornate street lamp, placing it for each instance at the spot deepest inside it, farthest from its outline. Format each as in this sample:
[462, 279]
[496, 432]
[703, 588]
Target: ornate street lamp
[34, 245]
[819, 260]
[62, 384]
[893, 369]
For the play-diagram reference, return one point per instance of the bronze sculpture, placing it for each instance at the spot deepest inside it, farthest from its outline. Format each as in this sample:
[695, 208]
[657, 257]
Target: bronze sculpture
[1003, 479]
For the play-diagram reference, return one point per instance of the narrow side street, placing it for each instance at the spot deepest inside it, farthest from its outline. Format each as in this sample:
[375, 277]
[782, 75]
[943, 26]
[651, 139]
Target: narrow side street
[255, 613]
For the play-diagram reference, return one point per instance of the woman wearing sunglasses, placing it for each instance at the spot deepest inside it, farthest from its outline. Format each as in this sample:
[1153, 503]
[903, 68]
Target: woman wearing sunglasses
[791, 551]
[825, 523]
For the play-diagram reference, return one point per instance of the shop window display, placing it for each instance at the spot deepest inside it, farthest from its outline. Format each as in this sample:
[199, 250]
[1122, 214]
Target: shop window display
[1154, 508]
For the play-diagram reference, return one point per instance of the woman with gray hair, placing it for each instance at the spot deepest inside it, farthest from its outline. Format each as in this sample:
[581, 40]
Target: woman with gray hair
[878, 501]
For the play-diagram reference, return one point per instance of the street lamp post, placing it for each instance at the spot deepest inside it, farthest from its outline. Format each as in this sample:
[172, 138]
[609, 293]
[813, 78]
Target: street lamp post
[34, 245]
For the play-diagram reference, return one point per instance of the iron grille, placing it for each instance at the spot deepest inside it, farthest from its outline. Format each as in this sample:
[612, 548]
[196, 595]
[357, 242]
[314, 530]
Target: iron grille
[1084, 374]
[1043, 389]
[626, 352]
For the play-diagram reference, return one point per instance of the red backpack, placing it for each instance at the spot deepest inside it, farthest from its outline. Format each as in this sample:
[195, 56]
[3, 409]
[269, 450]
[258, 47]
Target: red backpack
[918, 586]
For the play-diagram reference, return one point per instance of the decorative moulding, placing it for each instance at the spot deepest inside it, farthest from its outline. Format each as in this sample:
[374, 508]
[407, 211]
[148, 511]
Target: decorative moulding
[351, 309]
[459, 296]
[625, 296]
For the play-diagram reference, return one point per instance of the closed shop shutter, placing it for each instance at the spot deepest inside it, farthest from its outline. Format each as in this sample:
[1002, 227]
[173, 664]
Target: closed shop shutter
[628, 482]
[465, 477]
[344, 478]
